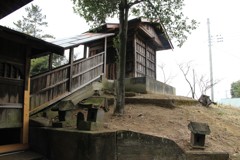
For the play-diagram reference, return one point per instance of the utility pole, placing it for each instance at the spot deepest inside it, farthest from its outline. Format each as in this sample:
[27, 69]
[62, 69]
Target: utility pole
[210, 59]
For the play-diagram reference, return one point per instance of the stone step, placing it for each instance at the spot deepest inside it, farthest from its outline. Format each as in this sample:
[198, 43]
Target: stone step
[167, 103]
[24, 155]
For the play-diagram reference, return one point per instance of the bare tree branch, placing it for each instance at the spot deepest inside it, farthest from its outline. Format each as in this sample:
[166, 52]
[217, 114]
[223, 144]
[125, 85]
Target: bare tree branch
[166, 79]
[205, 84]
[185, 71]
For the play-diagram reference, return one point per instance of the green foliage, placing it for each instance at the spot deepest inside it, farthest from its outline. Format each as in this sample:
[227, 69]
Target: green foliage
[33, 23]
[235, 89]
[39, 65]
[96, 11]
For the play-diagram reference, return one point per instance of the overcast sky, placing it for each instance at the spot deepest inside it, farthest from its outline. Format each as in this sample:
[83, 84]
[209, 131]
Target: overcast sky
[223, 14]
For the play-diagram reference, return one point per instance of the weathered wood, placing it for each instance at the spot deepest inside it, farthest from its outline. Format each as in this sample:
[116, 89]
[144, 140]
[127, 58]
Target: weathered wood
[13, 147]
[71, 68]
[49, 87]
[151, 32]
[105, 58]
[10, 118]
[145, 59]
[26, 106]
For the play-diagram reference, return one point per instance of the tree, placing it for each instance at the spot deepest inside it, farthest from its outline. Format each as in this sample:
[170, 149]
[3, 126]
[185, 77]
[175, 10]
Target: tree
[33, 22]
[204, 84]
[166, 78]
[235, 89]
[39, 65]
[185, 68]
[168, 12]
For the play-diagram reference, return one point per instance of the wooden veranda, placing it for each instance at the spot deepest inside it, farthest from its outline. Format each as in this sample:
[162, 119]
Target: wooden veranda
[15, 53]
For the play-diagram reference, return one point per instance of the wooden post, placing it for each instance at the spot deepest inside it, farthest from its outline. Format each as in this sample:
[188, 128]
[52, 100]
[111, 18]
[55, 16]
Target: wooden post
[26, 105]
[105, 58]
[146, 59]
[135, 55]
[70, 69]
[85, 52]
[155, 65]
[50, 61]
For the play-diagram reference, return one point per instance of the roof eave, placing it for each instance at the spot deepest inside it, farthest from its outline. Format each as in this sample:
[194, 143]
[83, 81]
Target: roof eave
[33, 42]
[9, 6]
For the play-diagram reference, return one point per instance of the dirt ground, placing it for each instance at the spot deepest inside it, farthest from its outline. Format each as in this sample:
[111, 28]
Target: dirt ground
[224, 122]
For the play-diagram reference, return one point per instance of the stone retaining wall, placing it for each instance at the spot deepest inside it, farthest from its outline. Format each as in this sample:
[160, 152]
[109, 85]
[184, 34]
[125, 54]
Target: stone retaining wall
[62, 144]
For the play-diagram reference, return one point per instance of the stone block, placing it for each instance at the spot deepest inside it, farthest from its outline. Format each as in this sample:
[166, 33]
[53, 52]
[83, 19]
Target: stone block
[89, 126]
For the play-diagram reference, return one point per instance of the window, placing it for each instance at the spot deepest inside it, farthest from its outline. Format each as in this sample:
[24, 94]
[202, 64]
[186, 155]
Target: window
[58, 60]
[78, 52]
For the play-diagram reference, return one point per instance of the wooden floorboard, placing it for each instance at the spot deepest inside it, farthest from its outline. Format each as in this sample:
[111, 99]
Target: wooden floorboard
[24, 155]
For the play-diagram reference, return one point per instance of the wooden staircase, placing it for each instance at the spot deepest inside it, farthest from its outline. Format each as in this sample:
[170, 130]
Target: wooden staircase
[57, 84]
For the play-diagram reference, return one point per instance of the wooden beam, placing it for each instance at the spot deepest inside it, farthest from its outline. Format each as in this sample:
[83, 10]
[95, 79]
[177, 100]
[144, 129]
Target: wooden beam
[13, 147]
[24, 39]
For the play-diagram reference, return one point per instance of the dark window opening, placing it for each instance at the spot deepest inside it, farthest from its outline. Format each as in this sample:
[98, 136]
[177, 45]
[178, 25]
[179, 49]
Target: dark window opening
[199, 140]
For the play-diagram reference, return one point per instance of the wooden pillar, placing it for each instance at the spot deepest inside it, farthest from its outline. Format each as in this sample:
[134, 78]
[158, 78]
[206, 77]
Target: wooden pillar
[26, 105]
[135, 55]
[155, 65]
[50, 61]
[70, 70]
[146, 60]
[85, 52]
[105, 58]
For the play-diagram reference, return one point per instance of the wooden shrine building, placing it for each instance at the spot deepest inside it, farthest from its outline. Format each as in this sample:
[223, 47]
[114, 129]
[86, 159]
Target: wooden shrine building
[15, 53]
[144, 40]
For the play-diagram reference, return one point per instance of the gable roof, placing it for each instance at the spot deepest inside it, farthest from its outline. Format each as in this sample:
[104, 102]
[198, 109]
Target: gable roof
[9, 6]
[160, 31]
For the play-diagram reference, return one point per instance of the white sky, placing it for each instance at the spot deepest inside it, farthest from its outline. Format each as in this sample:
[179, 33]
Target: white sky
[223, 14]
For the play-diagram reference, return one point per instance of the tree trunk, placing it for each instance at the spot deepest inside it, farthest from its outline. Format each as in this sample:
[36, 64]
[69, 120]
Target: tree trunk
[120, 87]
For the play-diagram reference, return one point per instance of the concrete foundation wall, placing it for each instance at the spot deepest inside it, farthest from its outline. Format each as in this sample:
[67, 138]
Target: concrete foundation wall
[154, 86]
[62, 144]
[59, 144]
[137, 146]
[193, 155]
[148, 85]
